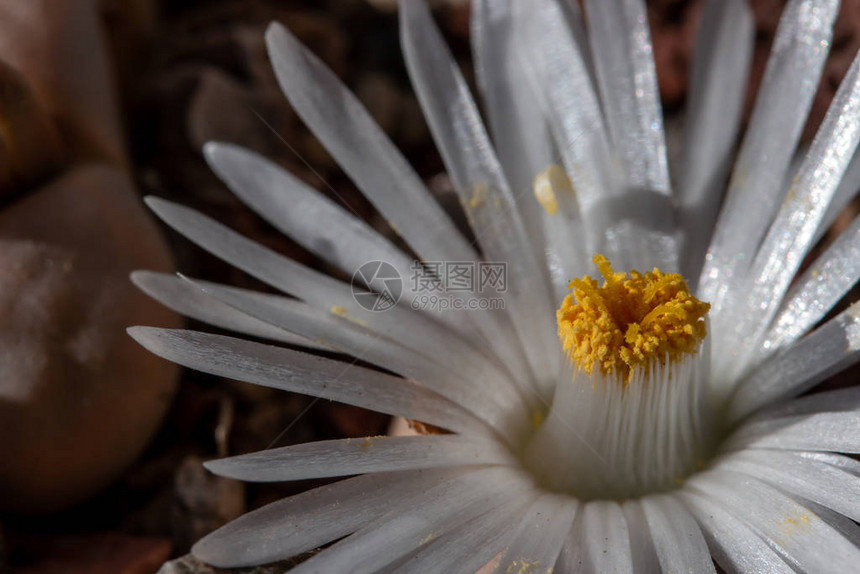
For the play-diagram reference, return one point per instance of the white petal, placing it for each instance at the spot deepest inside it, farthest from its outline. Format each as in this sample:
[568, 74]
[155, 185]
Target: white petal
[844, 526]
[634, 228]
[313, 518]
[677, 538]
[846, 191]
[841, 462]
[252, 258]
[312, 220]
[319, 290]
[827, 350]
[733, 544]
[793, 530]
[641, 545]
[817, 481]
[377, 168]
[320, 225]
[821, 422]
[790, 236]
[484, 193]
[505, 407]
[820, 287]
[557, 68]
[363, 151]
[600, 541]
[836, 432]
[414, 522]
[520, 133]
[185, 298]
[715, 102]
[290, 370]
[540, 535]
[469, 546]
[361, 455]
[790, 82]
[622, 52]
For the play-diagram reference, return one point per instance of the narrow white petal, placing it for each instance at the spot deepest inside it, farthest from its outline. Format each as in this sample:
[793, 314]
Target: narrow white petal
[318, 224]
[624, 63]
[634, 228]
[841, 462]
[469, 546]
[520, 133]
[827, 350]
[839, 400]
[314, 221]
[790, 82]
[677, 538]
[363, 151]
[715, 102]
[789, 237]
[566, 255]
[641, 544]
[304, 214]
[361, 455]
[820, 287]
[844, 526]
[484, 192]
[317, 289]
[734, 546]
[321, 291]
[313, 518]
[846, 191]
[540, 536]
[190, 301]
[811, 479]
[297, 372]
[252, 258]
[506, 408]
[377, 168]
[324, 228]
[557, 67]
[837, 432]
[820, 422]
[793, 530]
[414, 522]
[600, 541]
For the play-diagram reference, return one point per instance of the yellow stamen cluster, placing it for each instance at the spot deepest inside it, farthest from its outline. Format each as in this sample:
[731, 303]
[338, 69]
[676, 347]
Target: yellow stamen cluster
[630, 321]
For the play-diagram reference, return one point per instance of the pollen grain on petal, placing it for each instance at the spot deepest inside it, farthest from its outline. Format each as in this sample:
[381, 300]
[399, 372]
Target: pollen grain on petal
[630, 321]
[548, 185]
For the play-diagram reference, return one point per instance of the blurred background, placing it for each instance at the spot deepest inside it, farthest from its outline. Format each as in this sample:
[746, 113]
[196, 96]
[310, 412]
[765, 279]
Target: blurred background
[103, 102]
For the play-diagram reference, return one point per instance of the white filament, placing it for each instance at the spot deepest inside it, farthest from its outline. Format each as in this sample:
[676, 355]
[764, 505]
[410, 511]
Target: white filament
[604, 439]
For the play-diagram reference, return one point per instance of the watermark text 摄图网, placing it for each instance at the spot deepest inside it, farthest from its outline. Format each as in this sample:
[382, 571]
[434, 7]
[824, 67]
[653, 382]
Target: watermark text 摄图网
[433, 286]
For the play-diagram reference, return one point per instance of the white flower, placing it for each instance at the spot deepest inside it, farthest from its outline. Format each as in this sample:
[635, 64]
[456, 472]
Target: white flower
[651, 448]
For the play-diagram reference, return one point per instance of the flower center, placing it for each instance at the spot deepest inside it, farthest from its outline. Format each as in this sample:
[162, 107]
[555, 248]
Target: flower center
[632, 412]
[630, 322]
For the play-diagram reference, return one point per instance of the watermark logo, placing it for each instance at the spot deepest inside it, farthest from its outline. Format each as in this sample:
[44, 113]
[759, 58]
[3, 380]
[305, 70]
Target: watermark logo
[384, 279]
[434, 285]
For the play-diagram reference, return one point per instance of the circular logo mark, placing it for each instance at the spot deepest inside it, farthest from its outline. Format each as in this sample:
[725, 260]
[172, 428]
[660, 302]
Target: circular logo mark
[385, 281]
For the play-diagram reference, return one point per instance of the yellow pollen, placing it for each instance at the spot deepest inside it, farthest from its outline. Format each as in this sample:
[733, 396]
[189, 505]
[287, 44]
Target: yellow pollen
[549, 185]
[631, 321]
